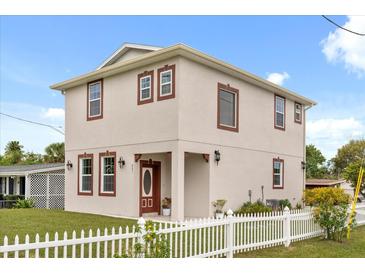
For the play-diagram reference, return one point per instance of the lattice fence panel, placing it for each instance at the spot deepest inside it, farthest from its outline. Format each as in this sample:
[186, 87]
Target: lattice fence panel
[48, 189]
[56, 191]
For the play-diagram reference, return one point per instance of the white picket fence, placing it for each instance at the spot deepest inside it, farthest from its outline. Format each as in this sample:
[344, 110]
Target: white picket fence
[207, 237]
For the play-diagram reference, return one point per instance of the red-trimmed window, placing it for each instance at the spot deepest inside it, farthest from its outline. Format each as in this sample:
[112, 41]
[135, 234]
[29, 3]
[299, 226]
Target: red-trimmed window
[95, 100]
[145, 88]
[107, 174]
[227, 116]
[278, 173]
[298, 110]
[279, 112]
[85, 174]
[166, 82]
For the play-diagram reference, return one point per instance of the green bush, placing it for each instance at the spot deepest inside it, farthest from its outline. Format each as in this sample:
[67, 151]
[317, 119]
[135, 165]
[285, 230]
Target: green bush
[330, 210]
[13, 197]
[285, 203]
[26, 203]
[256, 207]
[155, 245]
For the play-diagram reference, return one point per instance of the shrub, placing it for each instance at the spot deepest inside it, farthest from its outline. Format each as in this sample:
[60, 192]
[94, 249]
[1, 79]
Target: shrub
[256, 207]
[155, 245]
[298, 206]
[218, 205]
[26, 203]
[284, 203]
[13, 197]
[330, 210]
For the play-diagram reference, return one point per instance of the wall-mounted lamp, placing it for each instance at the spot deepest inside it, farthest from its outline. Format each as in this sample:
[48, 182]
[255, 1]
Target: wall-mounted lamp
[69, 165]
[304, 164]
[250, 195]
[217, 156]
[121, 162]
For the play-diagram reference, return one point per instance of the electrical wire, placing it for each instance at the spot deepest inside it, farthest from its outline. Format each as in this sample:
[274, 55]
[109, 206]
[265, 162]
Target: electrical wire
[32, 122]
[337, 25]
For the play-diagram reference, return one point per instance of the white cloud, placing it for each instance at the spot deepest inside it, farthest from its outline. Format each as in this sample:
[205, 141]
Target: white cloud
[346, 47]
[330, 134]
[54, 113]
[278, 78]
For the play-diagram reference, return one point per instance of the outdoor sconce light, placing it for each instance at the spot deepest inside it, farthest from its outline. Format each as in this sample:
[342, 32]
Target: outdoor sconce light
[250, 194]
[217, 156]
[303, 165]
[69, 165]
[121, 162]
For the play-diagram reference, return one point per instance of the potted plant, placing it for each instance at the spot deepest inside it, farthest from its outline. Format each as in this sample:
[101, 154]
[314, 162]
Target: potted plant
[166, 206]
[218, 205]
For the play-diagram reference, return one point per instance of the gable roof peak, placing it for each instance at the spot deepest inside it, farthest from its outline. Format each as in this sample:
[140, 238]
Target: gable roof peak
[123, 49]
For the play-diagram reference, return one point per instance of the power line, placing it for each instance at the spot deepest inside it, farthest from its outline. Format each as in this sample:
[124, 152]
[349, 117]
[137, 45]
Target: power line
[32, 122]
[337, 25]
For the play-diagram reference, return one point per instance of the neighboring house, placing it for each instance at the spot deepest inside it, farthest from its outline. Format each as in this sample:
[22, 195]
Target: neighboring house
[316, 183]
[174, 122]
[43, 183]
[341, 183]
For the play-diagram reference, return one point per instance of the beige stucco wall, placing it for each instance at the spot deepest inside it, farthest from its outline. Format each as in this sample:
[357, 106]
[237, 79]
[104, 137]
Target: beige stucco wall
[247, 155]
[186, 123]
[196, 186]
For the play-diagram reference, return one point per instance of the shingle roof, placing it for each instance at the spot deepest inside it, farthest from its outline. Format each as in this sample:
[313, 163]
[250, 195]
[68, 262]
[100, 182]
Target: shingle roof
[324, 182]
[24, 169]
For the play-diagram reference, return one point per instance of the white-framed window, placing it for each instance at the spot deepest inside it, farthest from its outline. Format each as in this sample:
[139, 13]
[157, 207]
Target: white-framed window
[95, 101]
[278, 173]
[108, 174]
[145, 88]
[298, 113]
[166, 83]
[279, 112]
[85, 174]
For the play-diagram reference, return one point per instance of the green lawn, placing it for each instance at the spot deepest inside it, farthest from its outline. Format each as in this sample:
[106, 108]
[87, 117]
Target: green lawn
[316, 248]
[32, 221]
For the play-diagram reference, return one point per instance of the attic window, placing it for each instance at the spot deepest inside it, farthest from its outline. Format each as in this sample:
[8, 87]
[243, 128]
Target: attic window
[166, 78]
[95, 100]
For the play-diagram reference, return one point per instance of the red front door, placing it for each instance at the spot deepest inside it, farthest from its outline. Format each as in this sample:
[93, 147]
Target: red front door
[149, 186]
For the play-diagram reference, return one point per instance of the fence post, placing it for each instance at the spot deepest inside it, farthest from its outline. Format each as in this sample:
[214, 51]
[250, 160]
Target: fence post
[142, 232]
[286, 227]
[230, 233]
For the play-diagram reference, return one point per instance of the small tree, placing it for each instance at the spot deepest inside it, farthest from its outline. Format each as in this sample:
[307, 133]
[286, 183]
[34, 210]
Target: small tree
[155, 244]
[330, 210]
[55, 153]
[351, 173]
[315, 167]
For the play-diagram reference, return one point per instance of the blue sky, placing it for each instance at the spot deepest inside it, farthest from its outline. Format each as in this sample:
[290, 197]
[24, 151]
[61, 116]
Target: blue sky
[308, 55]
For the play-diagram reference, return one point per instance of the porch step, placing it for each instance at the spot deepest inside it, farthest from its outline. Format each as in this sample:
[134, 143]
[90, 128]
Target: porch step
[150, 214]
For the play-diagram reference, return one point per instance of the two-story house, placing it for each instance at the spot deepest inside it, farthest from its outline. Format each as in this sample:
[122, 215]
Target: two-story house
[174, 122]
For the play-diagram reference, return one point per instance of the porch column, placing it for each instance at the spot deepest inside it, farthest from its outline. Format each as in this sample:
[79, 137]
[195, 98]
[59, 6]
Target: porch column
[177, 184]
[27, 186]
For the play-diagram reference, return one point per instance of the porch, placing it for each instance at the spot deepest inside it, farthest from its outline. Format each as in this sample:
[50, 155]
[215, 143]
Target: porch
[184, 178]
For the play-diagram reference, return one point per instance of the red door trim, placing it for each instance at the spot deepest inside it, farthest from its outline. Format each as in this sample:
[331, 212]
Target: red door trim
[156, 165]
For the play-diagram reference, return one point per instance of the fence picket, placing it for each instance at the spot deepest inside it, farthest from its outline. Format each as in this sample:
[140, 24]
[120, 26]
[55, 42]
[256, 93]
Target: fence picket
[27, 242]
[36, 250]
[46, 239]
[90, 244]
[73, 246]
[16, 242]
[82, 245]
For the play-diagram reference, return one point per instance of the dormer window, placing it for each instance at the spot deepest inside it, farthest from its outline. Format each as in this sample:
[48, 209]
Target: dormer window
[95, 100]
[145, 88]
[166, 86]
